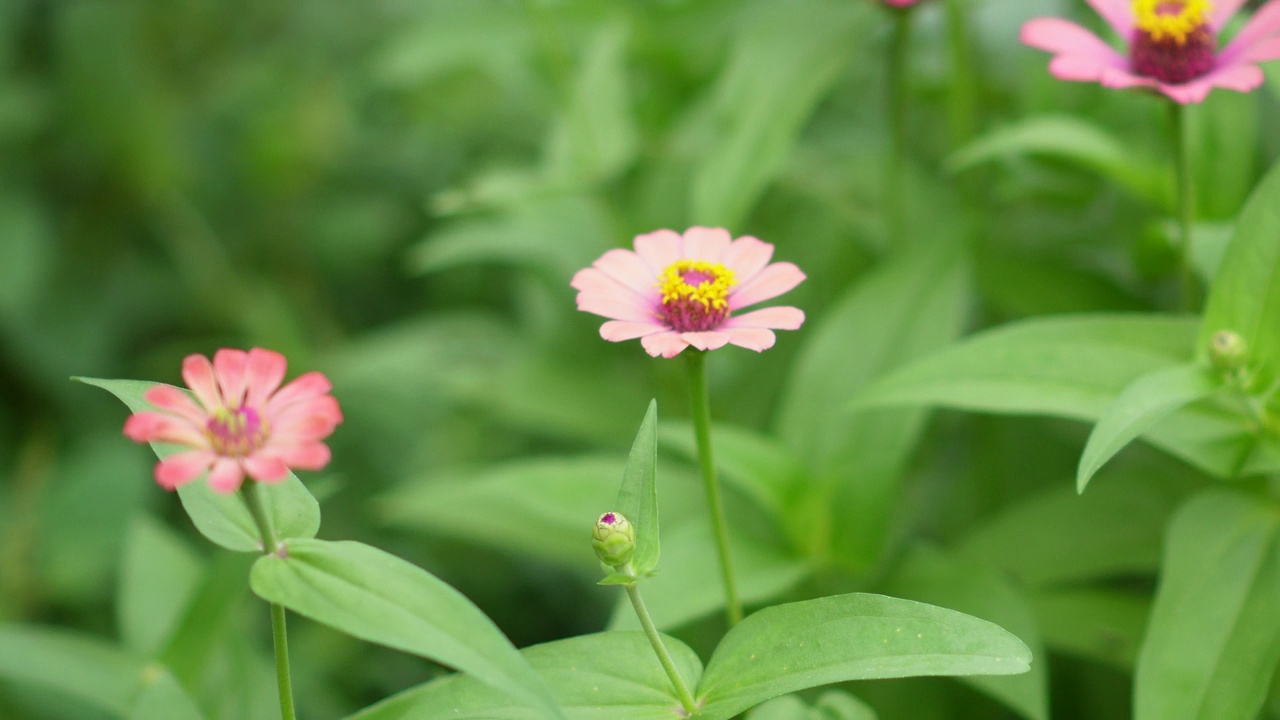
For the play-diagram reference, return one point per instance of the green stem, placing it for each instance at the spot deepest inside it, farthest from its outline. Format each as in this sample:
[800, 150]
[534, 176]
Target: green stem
[700, 407]
[896, 103]
[664, 657]
[252, 495]
[1185, 203]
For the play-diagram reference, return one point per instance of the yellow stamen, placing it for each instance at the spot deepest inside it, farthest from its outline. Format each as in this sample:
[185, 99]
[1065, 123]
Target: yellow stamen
[711, 290]
[1172, 19]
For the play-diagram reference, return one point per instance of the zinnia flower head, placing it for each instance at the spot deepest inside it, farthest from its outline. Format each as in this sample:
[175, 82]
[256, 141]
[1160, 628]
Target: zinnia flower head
[241, 421]
[680, 290]
[900, 3]
[1172, 46]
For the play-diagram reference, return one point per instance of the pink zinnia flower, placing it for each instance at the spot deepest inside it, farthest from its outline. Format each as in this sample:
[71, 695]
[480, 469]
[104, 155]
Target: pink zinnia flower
[241, 422]
[1171, 46]
[900, 3]
[680, 290]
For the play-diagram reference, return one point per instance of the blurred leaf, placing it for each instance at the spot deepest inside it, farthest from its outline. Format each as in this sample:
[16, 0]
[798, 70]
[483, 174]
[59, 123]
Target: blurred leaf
[1094, 623]
[87, 668]
[1057, 537]
[377, 597]
[783, 61]
[1213, 641]
[929, 575]
[207, 620]
[158, 577]
[1222, 139]
[1245, 295]
[1143, 403]
[1074, 140]
[164, 699]
[223, 518]
[831, 705]
[27, 254]
[624, 676]
[596, 137]
[806, 644]
[638, 495]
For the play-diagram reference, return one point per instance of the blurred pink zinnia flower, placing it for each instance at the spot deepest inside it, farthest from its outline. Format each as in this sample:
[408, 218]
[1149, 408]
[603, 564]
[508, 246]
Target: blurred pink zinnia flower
[1172, 46]
[680, 290]
[241, 422]
[900, 3]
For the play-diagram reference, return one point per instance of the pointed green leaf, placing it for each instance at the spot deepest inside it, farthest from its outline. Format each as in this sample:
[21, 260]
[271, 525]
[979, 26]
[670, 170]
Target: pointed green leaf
[799, 645]
[224, 519]
[83, 667]
[1245, 296]
[605, 675]
[831, 705]
[1213, 641]
[164, 699]
[638, 495]
[377, 597]
[1142, 404]
[158, 577]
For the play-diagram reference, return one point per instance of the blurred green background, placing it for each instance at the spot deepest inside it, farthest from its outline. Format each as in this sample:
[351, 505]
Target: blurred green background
[397, 192]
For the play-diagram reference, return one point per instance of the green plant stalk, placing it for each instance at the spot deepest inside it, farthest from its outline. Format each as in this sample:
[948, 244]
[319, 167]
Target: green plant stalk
[251, 494]
[896, 105]
[660, 648]
[1185, 203]
[700, 408]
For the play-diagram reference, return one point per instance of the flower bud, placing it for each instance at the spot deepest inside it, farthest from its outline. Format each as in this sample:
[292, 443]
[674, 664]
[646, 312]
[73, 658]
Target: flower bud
[1227, 350]
[614, 540]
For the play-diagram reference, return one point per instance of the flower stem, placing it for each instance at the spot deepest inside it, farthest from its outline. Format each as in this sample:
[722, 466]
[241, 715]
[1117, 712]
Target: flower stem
[660, 648]
[252, 495]
[1185, 203]
[896, 105]
[700, 407]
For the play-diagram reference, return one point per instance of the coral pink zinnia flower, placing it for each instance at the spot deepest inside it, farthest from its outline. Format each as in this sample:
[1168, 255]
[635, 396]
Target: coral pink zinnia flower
[1172, 46]
[241, 421]
[680, 290]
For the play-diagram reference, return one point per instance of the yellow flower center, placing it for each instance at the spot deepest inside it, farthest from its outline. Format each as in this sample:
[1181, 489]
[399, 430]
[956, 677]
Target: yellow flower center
[695, 295]
[1171, 19]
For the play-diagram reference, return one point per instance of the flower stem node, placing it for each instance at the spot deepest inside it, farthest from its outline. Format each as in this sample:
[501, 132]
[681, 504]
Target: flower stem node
[614, 539]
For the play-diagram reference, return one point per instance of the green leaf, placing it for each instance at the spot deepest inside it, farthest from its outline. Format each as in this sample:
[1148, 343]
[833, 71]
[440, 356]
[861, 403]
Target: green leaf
[638, 495]
[1245, 296]
[831, 705]
[72, 664]
[224, 519]
[799, 645]
[158, 577]
[603, 675]
[971, 586]
[377, 597]
[164, 699]
[1099, 624]
[1214, 637]
[1142, 404]
[208, 620]
[1222, 140]
[1074, 140]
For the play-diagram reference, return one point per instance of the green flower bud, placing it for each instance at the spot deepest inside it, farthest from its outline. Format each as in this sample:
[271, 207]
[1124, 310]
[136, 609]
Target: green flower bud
[614, 540]
[1227, 350]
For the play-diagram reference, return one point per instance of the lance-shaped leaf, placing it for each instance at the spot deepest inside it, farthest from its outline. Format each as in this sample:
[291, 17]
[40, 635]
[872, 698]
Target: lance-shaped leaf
[638, 495]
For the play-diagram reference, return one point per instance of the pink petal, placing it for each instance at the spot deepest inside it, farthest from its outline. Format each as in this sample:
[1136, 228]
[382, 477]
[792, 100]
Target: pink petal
[1241, 78]
[182, 468]
[618, 330]
[226, 476]
[621, 306]
[752, 338]
[667, 344]
[265, 468]
[1222, 12]
[659, 249]
[706, 340]
[1062, 37]
[1263, 25]
[771, 282]
[304, 456]
[628, 270]
[264, 372]
[747, 256]
[316, 412]
[1120, 79]
[701, 243]
[1117, 13]
[1263, 51]
[197, 372]
[172, 400]
[307, 385]
[779, 318]
[159, 427]
[228, 366]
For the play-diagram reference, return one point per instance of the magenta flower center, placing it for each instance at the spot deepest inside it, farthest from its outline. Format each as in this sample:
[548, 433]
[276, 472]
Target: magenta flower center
[1172, 41]
[236, 432]
[695, 295]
